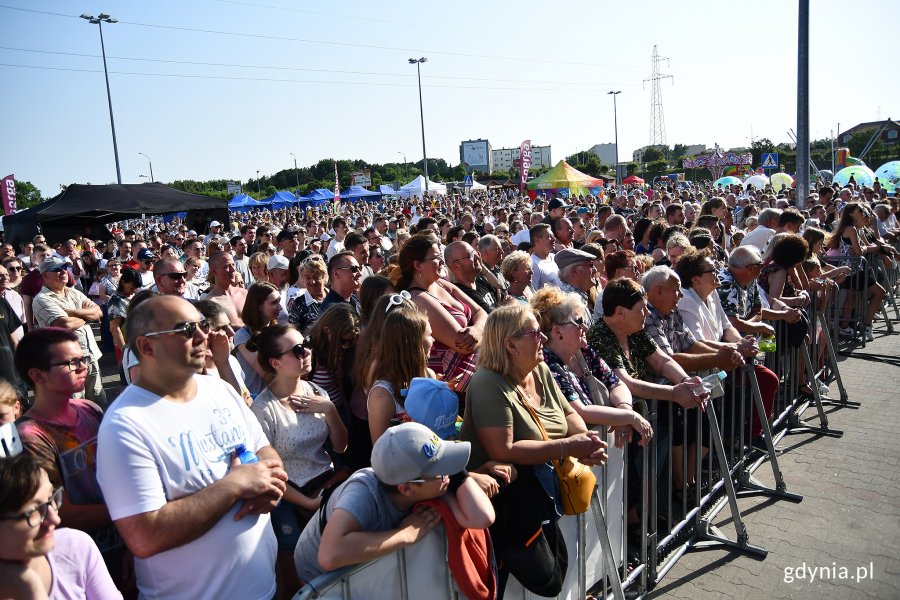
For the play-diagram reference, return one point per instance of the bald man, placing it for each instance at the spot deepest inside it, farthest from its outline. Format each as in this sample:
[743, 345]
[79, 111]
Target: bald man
[226, 289]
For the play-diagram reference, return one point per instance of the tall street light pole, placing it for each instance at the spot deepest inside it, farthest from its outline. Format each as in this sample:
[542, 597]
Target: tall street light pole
[296, 172]
[151, 165]
[616, 130]
[803, 104]
[258, 186]
[418, 62]
[98, 21]
[405, 168]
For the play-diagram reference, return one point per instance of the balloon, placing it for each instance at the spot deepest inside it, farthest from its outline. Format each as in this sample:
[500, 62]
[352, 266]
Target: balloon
[757, 181]
[781, 179]
[861, 175]
[888, 175]
[827, 175]
[723, 182]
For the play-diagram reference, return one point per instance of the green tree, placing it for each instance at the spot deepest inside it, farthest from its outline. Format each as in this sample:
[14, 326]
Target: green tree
[758, 147]
[651, 154]
[27, 195]
[631, 168]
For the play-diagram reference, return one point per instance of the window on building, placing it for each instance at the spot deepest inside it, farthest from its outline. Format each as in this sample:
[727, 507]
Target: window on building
[892, 134]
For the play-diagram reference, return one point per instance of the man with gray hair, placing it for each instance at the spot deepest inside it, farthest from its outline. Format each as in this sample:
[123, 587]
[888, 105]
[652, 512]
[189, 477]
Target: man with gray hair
[767, 223]
[578, 274]
[741, 299]
[491, 251]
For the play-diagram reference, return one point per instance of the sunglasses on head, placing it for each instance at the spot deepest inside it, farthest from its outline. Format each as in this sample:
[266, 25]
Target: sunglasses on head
[397, 300]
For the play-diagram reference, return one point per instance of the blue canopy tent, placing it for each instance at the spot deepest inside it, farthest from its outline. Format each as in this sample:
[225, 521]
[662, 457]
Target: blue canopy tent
[244, 203]
[355, 193]
[318, 197]
[281, 200]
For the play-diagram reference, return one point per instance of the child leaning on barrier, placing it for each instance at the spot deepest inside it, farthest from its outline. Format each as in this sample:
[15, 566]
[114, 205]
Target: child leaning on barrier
[372, 514]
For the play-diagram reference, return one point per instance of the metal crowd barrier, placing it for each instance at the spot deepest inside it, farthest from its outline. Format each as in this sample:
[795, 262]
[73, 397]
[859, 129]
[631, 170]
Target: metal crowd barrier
[670, 522]
[594, 541]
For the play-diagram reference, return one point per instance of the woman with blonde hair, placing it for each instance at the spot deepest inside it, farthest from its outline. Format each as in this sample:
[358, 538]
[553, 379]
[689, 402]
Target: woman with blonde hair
[313, 277]
[257, 264]
[517, 270]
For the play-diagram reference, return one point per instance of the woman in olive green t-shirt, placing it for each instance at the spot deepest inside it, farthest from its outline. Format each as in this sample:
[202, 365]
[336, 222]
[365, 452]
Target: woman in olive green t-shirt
[511, 372]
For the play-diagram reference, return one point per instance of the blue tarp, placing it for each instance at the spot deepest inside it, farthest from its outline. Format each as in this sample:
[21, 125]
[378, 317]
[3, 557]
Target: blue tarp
[318, 197]
[281, 200]
[243, 203]
[355, 193]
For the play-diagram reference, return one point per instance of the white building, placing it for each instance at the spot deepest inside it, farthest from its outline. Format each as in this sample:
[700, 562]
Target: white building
[605, 152]
[504, 159]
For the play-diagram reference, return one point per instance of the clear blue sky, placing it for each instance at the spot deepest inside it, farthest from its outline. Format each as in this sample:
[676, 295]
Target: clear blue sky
[326, 80]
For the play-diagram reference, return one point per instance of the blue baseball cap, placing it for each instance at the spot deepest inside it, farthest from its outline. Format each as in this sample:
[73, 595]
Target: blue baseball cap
[433, 404]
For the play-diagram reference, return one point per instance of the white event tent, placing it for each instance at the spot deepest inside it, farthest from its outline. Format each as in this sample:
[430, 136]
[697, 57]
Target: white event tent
[416, 187]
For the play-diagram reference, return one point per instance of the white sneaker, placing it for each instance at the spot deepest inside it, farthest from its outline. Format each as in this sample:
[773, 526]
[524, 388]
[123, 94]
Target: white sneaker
[823, 389]
[847, 332]
[869, 336]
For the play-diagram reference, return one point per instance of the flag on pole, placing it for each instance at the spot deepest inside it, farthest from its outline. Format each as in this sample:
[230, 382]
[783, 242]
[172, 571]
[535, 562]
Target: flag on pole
[525, 162]
[8, 192]
[337, 190]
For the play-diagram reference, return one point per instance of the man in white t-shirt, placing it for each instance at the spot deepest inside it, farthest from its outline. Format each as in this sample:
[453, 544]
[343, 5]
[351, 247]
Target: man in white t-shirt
[765, 230]
[545, 269]
[195, 518]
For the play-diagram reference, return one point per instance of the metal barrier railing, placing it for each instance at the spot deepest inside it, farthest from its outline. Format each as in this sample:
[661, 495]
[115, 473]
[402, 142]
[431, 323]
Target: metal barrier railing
[670, 522]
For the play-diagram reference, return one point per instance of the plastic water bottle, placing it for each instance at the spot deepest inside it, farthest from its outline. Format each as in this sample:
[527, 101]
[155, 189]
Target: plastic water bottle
[767, 344]
[244, 455]
[713, 384]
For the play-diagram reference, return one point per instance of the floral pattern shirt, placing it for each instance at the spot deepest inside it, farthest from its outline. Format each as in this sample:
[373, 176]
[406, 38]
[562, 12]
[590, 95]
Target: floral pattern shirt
[602, 340]
[575, 388]
[669, 332]
[737, 301]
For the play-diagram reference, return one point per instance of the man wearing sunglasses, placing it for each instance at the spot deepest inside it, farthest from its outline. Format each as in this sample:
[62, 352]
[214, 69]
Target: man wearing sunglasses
[60, 306]
[345, 279]
[195, 518]
[171, 279]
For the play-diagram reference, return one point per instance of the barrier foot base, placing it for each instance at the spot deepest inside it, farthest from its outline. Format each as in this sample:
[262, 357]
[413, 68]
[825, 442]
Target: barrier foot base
[804, 427]
[754, 487]
[844, 402]
[710, 536]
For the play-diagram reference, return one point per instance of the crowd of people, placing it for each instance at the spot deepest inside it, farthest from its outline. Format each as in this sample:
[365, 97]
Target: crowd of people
[309, 389]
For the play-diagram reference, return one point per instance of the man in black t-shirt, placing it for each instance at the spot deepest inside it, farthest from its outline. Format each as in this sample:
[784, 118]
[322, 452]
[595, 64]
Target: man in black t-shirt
[464, 264]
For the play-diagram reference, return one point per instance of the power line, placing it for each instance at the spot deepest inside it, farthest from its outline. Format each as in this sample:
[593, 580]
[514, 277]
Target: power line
[274, 80]
[305, 69]
[336, 43]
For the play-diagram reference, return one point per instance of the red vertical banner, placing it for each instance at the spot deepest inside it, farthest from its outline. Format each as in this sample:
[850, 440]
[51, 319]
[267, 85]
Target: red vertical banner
[337, 190]
[525, 162]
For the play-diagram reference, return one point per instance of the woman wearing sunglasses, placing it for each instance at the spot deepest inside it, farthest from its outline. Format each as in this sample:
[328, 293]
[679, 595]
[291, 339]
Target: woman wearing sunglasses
[299, 419]
[37, 560]
[563, 325]
[400, 353]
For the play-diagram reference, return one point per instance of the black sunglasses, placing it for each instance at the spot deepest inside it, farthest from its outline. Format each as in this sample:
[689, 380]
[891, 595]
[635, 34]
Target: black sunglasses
[353, 269]
[187, 330]
[175, 275]
[299, 350]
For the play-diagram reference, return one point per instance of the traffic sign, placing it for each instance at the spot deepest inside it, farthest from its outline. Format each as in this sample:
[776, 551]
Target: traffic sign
[468, 181]
[770, 160]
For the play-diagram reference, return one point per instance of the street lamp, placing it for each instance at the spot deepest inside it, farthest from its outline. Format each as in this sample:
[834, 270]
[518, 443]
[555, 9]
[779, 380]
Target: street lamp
[418, 62]
[616, 130]
[296, 172]
[258, 187]
[99, 20]
[151, 165]
[405, 168]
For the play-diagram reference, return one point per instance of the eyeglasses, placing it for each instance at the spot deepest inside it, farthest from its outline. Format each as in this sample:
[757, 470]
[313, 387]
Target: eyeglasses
[175, 275]
[470, 256]
[74, 364]
[534, 333]
[397, 300]
[41, 510]
[704, 272]
[188, 330]
[577, 322]
[299, 350]
[353, 269]
[14, 269]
